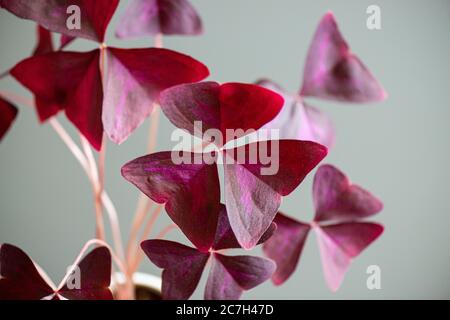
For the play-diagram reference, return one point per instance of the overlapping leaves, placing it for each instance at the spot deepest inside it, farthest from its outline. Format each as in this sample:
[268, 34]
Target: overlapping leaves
[21, 279]
[340, 208]
[191, 190]
[229, 276]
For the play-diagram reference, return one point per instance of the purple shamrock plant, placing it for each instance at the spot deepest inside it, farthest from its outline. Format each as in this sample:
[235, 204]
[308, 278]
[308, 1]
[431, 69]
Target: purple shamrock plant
[188, 185]
[111, 91]
[331, 72]
[340, 207]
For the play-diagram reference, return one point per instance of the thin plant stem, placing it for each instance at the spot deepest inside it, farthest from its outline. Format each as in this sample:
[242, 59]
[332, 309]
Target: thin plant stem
[143, 207]
[81, 158]
[88, 244]
[128, 289]
[137, 258]
[166, 230]
[4, 74]
[144, 203]
[96, 186]
[115, 225]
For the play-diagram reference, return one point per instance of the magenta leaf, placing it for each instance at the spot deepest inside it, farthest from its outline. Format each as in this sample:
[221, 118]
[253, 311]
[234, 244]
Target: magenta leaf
[285, 246]
[253, 187]
[21, 280]
[95, 272]
[300, 121]
[183, 267]
[191, 192]
[333, 72]
[253, 198]
[80, 95]
[134, 79]
[231, 276]
[340, 243]
[221, 107]
[45, 43]
[341, 236]
[152, 17]
[54, 15]
[8, 114]
[335, 198]
[225, 238]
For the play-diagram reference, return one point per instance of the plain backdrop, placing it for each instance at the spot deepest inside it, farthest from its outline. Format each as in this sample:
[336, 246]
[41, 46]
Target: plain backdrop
[397, 149]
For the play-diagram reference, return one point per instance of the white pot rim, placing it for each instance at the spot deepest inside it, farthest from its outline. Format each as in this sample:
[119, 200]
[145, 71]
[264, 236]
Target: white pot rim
[140, 279]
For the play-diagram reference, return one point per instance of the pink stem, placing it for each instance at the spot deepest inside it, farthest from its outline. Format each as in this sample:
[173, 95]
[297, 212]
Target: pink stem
[144, 203]
[96, 186]
[166, 230]
[81, 158]
[148, 229]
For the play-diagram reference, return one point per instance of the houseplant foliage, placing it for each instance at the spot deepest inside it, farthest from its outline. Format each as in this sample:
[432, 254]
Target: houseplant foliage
[111, 91]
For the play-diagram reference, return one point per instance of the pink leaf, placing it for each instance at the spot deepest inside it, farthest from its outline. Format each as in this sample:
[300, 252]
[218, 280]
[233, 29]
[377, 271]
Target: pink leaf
[227, 106]
[340, 243]
[253, 196]
[134, 79]
[55, 14]
[8, 114]
[335, 198]
[231, 276]
[151, 17]
[333, 72]
[298, 120]
[225, 238]
[80, 95]
[286, 246]
[183, 267]
[191, 192]
[95, 276]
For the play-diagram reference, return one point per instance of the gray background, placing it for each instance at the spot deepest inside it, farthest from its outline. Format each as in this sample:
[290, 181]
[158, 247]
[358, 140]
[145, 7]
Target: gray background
[398, 149]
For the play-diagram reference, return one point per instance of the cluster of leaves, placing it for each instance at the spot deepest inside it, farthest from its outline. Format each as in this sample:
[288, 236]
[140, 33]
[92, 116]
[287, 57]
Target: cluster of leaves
[115, 97]
[22, 279]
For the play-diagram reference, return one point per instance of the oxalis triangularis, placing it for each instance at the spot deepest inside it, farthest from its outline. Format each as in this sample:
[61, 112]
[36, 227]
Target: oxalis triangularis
[111, 91]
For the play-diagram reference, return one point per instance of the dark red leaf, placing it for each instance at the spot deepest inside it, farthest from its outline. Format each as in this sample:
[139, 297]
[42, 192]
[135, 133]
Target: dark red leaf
[227, 106]
[8, 114]
[45, 43]
[285, 246]
[183, 267]
[19, 278]
[191, 192]
[79, 94]
[95, 272]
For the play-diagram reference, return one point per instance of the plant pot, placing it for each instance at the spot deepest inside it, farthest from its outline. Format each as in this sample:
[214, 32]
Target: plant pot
[146, 286]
